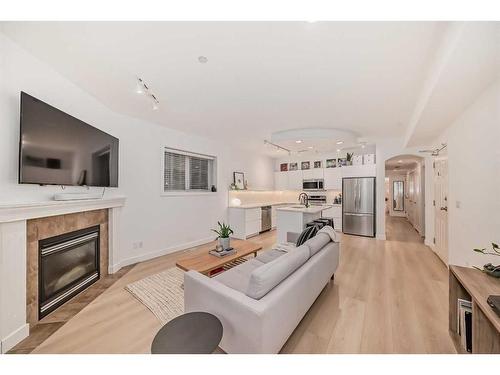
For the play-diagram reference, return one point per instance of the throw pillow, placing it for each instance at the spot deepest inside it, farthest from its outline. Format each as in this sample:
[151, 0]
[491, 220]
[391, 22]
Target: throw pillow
[307, 233]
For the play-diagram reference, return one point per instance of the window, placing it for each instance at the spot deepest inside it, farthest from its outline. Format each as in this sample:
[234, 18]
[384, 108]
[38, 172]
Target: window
[188, 172]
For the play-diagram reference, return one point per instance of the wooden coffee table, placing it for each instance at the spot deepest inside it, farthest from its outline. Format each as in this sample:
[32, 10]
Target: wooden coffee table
[200, 260]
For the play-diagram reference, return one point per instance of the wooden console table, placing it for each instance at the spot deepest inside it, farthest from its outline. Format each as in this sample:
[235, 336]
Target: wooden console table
[475, 286]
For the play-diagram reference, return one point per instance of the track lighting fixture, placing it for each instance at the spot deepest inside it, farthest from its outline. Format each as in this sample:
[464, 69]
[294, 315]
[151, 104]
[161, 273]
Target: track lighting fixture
[142, 88]
[278, 147]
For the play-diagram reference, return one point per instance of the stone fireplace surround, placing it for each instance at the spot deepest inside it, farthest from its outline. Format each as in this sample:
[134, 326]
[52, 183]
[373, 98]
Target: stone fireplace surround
[21, 227]
[46, 227]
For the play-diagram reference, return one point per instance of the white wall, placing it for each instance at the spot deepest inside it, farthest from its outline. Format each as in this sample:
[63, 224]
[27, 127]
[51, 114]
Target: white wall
[163, 224]
[474, 179]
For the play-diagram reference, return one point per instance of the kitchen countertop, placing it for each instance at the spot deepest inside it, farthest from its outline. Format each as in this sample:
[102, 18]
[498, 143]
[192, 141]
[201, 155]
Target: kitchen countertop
[258, 205]
[303, 209]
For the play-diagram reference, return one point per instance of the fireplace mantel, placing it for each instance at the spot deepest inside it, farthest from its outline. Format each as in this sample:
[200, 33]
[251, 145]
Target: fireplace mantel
[32, 210]
[13, 255]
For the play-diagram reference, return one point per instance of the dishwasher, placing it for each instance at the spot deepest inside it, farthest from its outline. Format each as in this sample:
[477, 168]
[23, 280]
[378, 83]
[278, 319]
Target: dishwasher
[266, 218]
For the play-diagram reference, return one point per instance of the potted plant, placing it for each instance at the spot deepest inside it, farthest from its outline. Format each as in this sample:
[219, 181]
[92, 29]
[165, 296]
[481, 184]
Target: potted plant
[348, 158]
[223, 234]
[489, 268]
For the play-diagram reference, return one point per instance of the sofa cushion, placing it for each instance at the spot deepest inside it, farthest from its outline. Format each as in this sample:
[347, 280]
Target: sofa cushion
[316, 243]
[266, 277]
[237, 277]
[270, 255]
[307, 233]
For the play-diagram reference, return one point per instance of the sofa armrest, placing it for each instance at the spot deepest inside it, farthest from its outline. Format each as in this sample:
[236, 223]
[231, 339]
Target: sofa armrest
[239, 314]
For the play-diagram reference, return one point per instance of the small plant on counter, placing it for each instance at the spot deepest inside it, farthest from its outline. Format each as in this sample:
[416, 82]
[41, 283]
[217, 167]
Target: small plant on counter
[348, 158]
[489, 268]
[223, 233]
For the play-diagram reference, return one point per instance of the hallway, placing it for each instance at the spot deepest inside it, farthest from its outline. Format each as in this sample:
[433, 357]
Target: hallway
[400, 229]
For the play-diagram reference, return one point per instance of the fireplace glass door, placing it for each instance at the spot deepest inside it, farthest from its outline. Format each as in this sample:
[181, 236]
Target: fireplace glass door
[68, 264]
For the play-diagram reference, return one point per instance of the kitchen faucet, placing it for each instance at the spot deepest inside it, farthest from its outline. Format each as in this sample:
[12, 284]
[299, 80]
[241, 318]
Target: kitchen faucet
[304, 199]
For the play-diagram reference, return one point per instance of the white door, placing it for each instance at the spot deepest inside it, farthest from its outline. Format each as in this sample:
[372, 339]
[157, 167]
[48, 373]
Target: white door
[441, 208]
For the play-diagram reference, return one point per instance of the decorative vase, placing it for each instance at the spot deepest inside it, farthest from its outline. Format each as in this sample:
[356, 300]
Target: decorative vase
[224, 242]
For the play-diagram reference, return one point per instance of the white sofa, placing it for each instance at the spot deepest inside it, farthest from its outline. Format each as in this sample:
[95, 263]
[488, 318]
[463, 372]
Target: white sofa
[261, 301]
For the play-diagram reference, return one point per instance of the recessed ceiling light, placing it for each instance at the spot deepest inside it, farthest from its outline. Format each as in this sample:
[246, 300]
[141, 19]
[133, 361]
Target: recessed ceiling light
[362, 146]
[338, 150]
[400, 161]
[298, 141]
[340, 142]
[310, 147]
[202, 59]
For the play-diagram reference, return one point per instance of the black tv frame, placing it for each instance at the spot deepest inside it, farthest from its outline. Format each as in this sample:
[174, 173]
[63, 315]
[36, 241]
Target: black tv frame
[19, 161]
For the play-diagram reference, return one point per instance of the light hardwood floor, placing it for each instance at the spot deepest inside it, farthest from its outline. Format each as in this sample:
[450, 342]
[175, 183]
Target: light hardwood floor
[388, 297]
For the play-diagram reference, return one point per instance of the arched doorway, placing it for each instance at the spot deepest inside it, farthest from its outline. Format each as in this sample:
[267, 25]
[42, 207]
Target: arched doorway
[405, 198]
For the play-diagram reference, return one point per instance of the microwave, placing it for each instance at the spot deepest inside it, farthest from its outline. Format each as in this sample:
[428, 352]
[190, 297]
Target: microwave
[313, 184]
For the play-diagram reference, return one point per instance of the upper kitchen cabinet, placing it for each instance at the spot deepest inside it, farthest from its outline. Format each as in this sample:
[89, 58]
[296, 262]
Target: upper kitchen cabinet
[280, 180]
[295, 180]
[315, 173]
[366, 170]
[333, 178]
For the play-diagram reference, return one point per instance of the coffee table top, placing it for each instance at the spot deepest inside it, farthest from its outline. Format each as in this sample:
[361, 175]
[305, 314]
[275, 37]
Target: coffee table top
[191, 333]
[200, 260]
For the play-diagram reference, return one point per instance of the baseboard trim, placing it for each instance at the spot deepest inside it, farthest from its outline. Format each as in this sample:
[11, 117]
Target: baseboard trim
[380, 236]
[155, 254]
[14, 338]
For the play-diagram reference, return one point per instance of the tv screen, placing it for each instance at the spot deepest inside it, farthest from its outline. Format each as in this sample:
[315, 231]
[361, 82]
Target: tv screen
[58, 149]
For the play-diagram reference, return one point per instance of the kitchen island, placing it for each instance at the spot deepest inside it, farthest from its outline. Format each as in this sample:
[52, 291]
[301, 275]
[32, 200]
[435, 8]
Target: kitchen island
[294, 218]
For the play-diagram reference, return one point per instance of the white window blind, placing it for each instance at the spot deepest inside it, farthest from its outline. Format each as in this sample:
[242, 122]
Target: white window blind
[189, 172]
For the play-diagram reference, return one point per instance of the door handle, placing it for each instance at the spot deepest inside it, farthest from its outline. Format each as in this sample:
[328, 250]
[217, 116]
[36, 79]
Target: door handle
[444, 208]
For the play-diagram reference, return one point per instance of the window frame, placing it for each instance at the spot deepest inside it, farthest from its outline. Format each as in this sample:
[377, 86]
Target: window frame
[188, 192]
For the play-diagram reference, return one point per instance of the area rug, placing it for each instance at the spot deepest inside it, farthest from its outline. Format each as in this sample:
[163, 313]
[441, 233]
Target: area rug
[162, 293]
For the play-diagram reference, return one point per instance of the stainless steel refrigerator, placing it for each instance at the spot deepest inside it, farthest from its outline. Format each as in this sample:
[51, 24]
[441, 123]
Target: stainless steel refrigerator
[358, 206]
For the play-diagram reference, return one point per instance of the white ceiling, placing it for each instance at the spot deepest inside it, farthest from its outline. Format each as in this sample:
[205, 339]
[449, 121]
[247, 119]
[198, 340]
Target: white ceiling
[472, 65]
[260, 78]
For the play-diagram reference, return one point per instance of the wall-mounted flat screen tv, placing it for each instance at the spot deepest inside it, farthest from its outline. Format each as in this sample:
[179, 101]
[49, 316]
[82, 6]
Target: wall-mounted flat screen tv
[56, 148]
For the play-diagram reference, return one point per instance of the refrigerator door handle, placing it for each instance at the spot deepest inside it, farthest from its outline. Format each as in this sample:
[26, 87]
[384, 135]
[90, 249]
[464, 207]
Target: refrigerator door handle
[355, 195]
[353, 214]
[358, 195]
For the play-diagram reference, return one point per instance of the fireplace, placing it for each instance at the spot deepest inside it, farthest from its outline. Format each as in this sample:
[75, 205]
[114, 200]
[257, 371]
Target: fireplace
[68, 263]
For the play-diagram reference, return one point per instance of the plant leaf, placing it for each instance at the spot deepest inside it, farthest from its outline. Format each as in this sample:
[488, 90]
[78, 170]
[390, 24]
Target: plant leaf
[480, 250]
[495, 246]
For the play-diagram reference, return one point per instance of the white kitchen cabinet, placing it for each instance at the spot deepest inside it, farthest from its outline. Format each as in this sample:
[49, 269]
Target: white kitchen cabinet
[280, 180]
[245, 222]
[295, 180]
[333, 178]
[369, 170]
[334, 212]
[315, 173]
